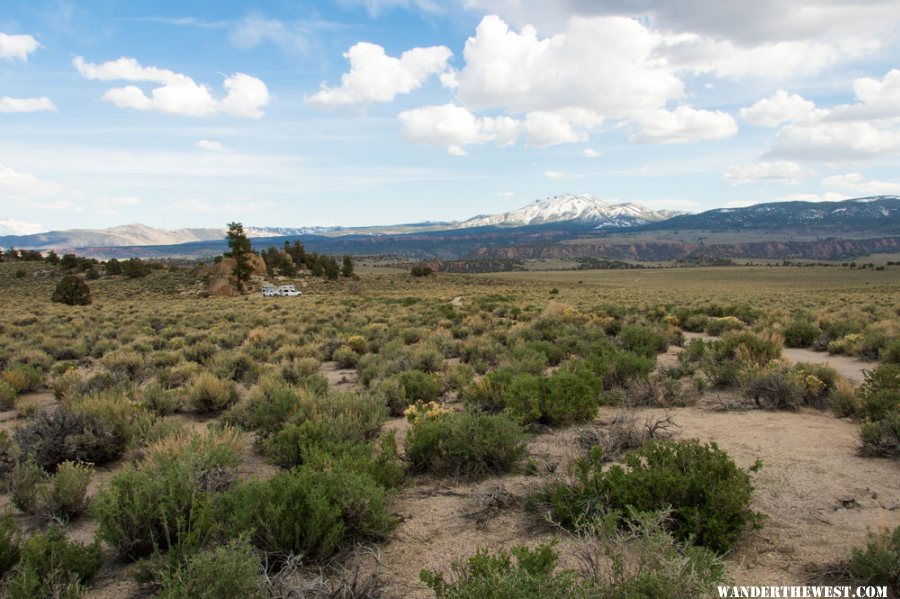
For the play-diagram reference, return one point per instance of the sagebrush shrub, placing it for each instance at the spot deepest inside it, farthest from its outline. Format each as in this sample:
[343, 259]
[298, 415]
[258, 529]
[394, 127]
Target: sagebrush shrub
[879, 562]
[465, 444]
[22, 377]
[9, 543]
[708, 495]
[164, 500]
[52, 566]
[531, 576]
[65, 495]
[229, 571]
[307, 511]
[210, 394]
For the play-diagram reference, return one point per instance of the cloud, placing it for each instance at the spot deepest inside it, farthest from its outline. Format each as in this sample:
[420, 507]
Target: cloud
[17, 46]
[457, 151]
[452, 125]
[606, 66]
[868, 128]
[684, 125]
[856, 183]
[835, 141]
[745, 23]
[782, 171]
[16, 185]
[212, 146]
[255, 29]
[9, 226]
[41, 104]
[559, 175]
[376, 7]
[780, 108]
[591, 153]
[177, 93]
[376, 77]
[506, 194]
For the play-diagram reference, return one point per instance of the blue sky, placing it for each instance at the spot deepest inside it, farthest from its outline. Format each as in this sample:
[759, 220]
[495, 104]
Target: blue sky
[361, 112]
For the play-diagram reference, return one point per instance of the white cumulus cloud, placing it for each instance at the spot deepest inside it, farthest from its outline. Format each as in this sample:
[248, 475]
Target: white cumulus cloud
[376, 77]
[177, 93]
[41, 104]
[684, 125]
[452, 125]
[782, 107]
[17, 46]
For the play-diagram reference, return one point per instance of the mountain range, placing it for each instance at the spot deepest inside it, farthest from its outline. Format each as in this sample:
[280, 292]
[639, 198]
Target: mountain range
[559, 227]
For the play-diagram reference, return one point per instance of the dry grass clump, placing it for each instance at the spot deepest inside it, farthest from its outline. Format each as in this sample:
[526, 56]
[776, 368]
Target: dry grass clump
[623, 433]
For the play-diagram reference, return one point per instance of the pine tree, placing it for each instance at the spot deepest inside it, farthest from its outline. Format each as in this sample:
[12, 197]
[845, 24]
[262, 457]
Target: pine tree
[240, 247]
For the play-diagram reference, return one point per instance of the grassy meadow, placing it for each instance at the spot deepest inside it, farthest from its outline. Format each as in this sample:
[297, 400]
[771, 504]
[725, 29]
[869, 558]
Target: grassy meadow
[604, 433]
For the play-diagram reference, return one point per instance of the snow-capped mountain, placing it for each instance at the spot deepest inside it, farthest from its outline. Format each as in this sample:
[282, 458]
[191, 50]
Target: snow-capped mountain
[570, 207]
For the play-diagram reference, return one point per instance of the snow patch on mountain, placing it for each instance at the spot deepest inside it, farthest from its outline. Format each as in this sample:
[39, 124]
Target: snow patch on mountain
[571, 207]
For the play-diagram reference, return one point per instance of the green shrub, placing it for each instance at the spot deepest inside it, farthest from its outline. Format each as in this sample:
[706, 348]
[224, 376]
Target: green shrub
[8, 396]
[800, 333]
[776, 386]
[345, 357]
[881, 437]
[234, 366]
[561, 399]
[615, 368]
[487, 576]
[124, 364]
[890, 353]
[465, 444]
[326, 423]
[209, 394]
[52, 566]
[22, 377]
[718, 326]
[159, 399]
[394, 394]
[419, 386]
[296, 370]
[200, 352]
[307, 512]
[65, 495]
[644, 561]
[844, 401]
[72, 291]
[230, 571]
[879, 563]
[109, 424]
[724, 358]
[643, 341]
[25, 483]
[167, 498]
[567, 399]
[707, 493]
[9, 543]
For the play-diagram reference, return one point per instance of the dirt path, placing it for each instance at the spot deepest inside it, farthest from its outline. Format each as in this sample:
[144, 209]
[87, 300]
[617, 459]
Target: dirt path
[847, 366]
[818, 495]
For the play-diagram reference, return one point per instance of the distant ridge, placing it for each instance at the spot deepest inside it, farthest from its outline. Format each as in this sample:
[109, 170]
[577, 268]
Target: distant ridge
[573, 208]
[873, 214]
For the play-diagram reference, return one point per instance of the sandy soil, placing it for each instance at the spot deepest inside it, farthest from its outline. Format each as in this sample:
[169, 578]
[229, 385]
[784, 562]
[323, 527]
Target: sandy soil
[342, 379]
[818, 495]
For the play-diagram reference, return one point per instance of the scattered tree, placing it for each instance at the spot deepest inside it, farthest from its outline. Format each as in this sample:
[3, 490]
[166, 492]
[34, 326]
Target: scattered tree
[71, 290]
[240, 247]
[421, 271]
[347, 266]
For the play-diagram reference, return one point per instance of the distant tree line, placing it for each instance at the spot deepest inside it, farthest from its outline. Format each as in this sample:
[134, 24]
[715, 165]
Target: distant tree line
[292, 256]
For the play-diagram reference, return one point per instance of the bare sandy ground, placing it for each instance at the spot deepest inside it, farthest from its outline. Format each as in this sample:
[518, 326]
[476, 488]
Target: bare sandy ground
[818, 495]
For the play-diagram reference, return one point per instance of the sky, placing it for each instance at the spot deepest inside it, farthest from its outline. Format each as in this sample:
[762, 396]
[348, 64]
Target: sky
[372, 112]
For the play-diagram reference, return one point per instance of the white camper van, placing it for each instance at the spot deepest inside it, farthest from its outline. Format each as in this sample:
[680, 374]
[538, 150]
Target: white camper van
[288, 291]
